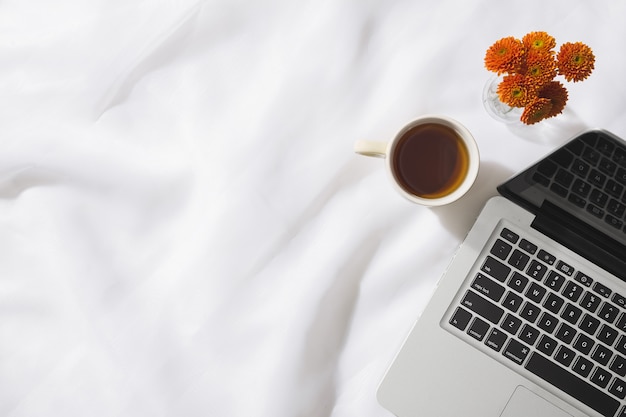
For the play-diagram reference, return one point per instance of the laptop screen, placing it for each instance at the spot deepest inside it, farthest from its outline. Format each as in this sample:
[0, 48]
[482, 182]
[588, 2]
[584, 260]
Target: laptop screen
[578, 194]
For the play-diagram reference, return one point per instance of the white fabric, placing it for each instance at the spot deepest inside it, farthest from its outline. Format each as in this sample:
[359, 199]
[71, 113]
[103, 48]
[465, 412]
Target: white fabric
[185, 230]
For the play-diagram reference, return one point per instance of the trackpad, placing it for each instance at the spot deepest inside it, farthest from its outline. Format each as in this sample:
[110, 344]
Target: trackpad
[524, 403]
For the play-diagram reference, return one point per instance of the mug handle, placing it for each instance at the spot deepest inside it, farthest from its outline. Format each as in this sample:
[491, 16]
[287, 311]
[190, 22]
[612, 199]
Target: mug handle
[371, 148]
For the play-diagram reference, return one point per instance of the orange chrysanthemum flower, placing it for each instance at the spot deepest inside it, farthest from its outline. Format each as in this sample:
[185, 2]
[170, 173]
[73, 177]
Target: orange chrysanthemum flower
[505, 55]
[515, 91]
[575, 61]
[528, 68]
[540, 69]
[539, 42]
[536, 111]
[557, 94]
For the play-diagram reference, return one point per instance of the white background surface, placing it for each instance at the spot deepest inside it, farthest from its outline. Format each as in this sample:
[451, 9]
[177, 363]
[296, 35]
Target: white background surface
[184, 228]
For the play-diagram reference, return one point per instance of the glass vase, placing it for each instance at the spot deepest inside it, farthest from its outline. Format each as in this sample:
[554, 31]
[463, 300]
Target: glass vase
[496, 108]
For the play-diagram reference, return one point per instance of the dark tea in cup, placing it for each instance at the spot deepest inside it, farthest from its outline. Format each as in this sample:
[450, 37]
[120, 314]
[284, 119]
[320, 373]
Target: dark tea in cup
[430, 160]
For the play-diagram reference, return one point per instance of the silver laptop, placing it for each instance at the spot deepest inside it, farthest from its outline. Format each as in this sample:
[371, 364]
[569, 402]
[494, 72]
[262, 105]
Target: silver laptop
[529, 319]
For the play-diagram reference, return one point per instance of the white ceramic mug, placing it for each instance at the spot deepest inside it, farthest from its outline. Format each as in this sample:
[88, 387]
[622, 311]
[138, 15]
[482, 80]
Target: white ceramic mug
[432, 161]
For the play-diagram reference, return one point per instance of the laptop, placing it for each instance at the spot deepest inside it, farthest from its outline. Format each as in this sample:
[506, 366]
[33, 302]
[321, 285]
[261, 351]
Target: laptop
[529, 318]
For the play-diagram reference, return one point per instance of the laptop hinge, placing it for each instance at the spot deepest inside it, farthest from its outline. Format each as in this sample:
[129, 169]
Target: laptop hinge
[579, 237]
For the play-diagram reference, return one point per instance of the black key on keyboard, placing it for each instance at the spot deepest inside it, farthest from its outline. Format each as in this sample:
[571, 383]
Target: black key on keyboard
[572, 291]
[591, 155]
[536, 270]
[547, 323]
[621, 322]
[614, 188]
[461, 318]
[512, 301]
[590, 302]
[582, 366]
[602, 355]
[518, 282]
[607, 166]
[482, 307]
[618, 365]
[511, 324]
[621, 176]
[619, 156]
[519, 259]
[496, 339]
[572, 385]
[612, 221]
[599, 198]
[565, 333]
[576, 200]
[619, 299]
[562, 157]
[589, 324]
[553, 303]
[530, 312]
[565, 268]
[547, 168]
[478, 329]
[607, 335]
[528, 246]
[583, 279]
[571, 313]
[597, 178]
[516, 351]
[529, 334]
[583, 344]
[555, 281]
[605, 146]
[546, 345]
[500, 249]
[509, 235]
[600, 377]
[580, 168]
[576, 146]
[487, 287]
[621, 345]
[603, 290]
[535, 292]
[595, 210]
[608, 312]
[581, 188]
[564, 178]
[546, 257]
[496, 269]
[564, 355]
[616, 208]
[618, 388]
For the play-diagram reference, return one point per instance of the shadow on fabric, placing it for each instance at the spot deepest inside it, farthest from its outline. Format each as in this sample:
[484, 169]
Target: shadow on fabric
[459, 216]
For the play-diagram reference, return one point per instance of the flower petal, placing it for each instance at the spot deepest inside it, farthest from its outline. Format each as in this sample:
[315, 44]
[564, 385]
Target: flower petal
[536, 111]
[575, 61]
[505, 55]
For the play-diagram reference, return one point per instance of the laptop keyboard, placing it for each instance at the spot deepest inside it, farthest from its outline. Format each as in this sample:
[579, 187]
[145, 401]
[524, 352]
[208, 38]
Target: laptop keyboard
[538, 313]
[590, 173]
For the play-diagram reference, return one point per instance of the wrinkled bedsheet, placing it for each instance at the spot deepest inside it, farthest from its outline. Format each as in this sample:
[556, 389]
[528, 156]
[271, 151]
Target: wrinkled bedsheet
[185, 229]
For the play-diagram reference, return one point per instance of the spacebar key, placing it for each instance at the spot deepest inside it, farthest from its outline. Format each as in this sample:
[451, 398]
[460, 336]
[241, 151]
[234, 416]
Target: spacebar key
[571, 384]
